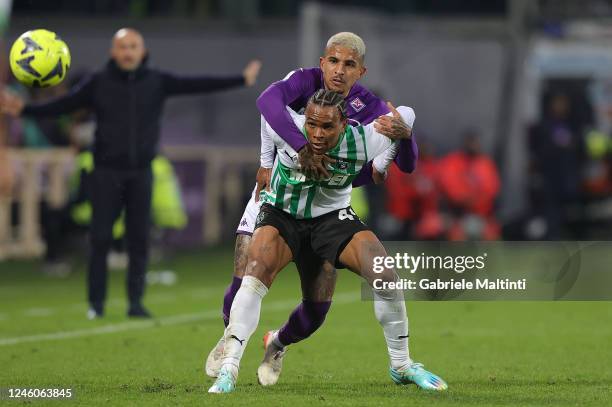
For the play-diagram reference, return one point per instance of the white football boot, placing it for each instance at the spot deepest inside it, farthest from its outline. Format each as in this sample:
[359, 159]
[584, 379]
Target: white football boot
[215, 357]
[270, 368]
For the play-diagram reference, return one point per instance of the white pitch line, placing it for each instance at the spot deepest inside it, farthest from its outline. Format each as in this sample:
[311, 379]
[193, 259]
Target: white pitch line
[38, 312]
[164, 321]
[113, 302]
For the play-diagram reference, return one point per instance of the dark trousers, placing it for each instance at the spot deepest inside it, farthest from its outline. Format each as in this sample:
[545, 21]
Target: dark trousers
[112, 191]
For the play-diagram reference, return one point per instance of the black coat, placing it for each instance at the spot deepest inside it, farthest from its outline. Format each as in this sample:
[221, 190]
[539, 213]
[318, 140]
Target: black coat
[128, 107]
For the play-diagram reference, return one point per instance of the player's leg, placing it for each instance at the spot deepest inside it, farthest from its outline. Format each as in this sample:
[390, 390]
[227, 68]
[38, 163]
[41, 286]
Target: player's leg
[390, 310]
[318, 281]
[138, 224]
[389, 305]
[243, 238]
[106, 191]
[240, 261]
[271, 249]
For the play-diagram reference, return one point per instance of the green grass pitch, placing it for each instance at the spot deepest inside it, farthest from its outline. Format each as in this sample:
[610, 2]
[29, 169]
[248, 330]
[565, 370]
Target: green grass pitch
[491, 353]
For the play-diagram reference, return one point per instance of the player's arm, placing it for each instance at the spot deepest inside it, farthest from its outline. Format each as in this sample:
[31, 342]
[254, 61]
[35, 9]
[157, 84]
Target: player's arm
[377, 140]
[406, 149]
[184, 85]
[399, 127]
[273, 101]
[266, 159]
[80, 96]
[407, 155]
[270, 135]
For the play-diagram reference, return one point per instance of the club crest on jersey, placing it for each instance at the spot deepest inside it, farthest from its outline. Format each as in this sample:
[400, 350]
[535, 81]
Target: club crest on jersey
[342, 165]
[357, 104]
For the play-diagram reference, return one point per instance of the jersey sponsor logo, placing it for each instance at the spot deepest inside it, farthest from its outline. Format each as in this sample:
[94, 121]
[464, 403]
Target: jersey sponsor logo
[357, 104]
[337, 179]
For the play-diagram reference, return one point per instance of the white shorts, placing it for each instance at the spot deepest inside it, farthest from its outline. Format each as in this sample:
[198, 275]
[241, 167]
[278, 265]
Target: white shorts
[247, 222]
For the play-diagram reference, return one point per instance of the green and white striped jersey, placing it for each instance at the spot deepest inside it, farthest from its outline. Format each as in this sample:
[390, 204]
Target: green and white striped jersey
[304, 198]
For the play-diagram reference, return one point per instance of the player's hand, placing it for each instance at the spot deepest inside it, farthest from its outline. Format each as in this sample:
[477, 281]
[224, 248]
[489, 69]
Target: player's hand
[251, 71]
[393, 126]
[263, 180]
[10, 103]
[378, 177]
[314, 165]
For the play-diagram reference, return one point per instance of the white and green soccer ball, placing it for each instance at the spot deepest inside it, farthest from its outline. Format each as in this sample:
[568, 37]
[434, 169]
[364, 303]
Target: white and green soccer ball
[39, 58]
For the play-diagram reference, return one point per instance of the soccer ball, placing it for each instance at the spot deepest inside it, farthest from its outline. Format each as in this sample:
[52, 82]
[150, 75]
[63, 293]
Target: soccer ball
[39, 58]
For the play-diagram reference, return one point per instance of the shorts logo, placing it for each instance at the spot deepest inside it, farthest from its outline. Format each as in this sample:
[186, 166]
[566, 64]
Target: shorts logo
[357, 104]
[244, 222]
[260, 217]
[347, 213]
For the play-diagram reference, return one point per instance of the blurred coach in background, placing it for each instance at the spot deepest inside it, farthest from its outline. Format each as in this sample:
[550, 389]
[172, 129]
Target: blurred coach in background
[127, 98]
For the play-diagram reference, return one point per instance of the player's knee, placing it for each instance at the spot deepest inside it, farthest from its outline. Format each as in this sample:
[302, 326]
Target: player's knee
[384, 275]
[388, 275]
[257, 268]
[380, 283]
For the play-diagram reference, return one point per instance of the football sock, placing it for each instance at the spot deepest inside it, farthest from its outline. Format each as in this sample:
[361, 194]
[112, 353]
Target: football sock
[228, 299]
[244, 317]
[305, 319]
[390, 311]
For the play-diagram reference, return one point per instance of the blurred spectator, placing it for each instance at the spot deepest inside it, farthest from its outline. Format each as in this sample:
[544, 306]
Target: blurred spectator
[6, 170]
[597, 182]
[469, 182]
[413, 199]
[42, 133]
[555, 163]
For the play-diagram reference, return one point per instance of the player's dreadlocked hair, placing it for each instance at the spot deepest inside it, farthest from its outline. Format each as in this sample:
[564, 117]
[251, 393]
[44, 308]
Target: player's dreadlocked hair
[324, 97]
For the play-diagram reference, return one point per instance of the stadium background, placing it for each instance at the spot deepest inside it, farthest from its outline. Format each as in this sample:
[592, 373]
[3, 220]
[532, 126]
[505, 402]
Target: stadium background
[463, 65]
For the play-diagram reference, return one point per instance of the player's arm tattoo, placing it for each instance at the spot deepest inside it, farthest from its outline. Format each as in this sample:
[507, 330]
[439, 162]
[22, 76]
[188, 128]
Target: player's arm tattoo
[393, 127]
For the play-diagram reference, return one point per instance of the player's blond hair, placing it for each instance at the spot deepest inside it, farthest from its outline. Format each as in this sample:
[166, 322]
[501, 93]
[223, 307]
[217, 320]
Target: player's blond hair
[348, 40]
